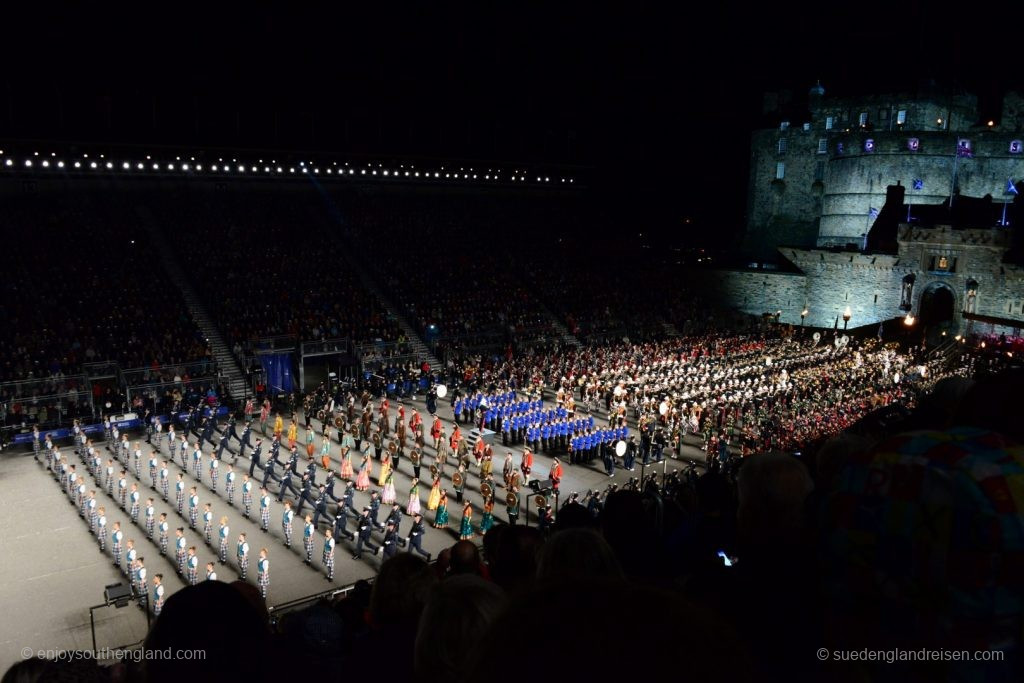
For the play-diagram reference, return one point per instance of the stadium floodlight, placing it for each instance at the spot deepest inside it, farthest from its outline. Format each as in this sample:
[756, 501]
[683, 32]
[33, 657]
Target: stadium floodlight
[253, 169]
[199, 167]
[60, 164]
[385, 172]
[487, 177]
[406, 174]
[156, 167]
[374, 171]
[214, 167]
[92, 164]
[291, 170]
[46, 164]
[170, 167]
[184, 167]
[78, 164]
[110, 164]
[417, 174]
[330, 171]
[28, 162]
[266, 169]
[241, 169]
[279, 169]
[362, 172]
[436, 174]
[8, 163]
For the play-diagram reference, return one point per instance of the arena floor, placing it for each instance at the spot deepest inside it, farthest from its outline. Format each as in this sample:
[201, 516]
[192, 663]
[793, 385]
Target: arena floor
[53, 570]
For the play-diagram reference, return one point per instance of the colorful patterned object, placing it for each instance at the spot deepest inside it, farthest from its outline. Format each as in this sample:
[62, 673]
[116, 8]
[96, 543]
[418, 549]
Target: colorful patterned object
[923, 538]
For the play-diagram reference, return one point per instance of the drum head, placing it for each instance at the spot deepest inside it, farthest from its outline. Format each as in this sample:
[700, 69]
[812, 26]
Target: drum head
[620, 448]
[442, 391]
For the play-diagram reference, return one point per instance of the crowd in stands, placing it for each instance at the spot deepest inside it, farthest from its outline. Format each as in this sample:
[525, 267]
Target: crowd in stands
[274, 269]
[464, 296]
[87, 287]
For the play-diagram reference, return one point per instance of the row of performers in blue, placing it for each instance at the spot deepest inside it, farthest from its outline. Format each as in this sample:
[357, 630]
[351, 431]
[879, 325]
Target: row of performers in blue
[495, 406]
[601, 443]
[542, 427]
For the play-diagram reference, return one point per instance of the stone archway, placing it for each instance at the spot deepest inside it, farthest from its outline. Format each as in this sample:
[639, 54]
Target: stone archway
[937, 311]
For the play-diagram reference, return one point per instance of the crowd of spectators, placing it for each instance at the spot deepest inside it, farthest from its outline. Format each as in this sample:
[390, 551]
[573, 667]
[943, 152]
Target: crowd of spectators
[87, 287]
[267, 264]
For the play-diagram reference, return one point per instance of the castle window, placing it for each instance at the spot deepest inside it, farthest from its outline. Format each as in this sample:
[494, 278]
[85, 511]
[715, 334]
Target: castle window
[784, 125]
[822, 145]
[883, 114]
[862, 120]
[782, 145]
[829, 122]
[780, 170]
[901, 117]
[1016, 146]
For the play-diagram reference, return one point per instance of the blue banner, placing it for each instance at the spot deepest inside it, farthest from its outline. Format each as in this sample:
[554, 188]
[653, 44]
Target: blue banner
[278, 369]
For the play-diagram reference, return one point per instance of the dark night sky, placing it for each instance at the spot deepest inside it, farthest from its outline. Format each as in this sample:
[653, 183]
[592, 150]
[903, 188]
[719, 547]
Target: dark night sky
[658, 100]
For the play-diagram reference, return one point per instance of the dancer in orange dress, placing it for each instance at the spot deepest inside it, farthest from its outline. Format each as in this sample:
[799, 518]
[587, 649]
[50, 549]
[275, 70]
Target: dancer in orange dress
[363, 480]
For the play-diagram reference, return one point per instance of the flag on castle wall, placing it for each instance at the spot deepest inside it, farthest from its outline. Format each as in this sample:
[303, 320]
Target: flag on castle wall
[1011, 187]
[873, 212]
[918, 184]
[963, 148]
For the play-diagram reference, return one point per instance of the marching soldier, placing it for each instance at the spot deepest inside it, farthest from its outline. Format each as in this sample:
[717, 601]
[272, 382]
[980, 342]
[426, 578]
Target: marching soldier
[329, 554]
[348, 506]
[416, 536]
[390, 541]
[375, 510]
[243, 556]
[222, 533]
[254, 460]
[365, 528]
[340, 526]
[395, 519]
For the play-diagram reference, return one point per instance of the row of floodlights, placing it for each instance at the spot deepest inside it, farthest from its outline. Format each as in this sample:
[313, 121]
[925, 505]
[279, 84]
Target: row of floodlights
[270, 170]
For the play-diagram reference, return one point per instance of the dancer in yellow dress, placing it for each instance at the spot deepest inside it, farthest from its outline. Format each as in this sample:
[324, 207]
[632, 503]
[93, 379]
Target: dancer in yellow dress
[385, 468]
[435, 494]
